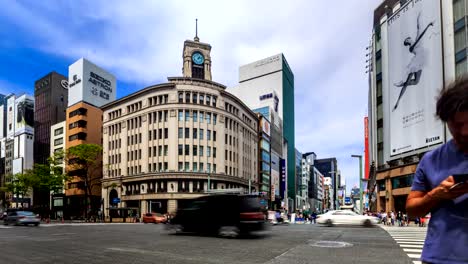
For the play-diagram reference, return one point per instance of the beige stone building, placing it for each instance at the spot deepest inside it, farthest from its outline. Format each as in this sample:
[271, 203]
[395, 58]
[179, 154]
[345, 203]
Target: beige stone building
[178, 140]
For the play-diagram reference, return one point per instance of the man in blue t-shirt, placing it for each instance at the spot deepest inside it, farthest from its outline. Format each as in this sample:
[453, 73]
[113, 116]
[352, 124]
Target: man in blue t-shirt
[434, 188]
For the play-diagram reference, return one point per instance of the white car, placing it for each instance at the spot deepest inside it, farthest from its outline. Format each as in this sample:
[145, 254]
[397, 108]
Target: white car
[346, 217]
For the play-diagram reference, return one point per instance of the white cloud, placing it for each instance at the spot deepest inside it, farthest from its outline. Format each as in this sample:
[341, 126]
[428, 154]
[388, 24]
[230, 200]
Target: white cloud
[141, 42]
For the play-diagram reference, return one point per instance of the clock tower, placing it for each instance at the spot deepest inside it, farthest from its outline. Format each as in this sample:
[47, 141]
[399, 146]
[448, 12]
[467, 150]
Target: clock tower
[197, 59]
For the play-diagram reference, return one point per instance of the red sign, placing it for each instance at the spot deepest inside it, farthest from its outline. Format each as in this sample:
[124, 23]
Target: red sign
[366, 147]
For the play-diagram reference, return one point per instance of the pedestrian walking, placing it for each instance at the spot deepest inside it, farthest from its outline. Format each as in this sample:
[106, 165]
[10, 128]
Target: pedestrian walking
[434, 189]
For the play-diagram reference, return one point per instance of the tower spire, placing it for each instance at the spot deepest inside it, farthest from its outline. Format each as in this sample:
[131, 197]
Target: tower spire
[196, 31]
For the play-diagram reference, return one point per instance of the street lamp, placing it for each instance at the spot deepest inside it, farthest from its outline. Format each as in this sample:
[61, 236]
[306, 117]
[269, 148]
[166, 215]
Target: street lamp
[360, 181]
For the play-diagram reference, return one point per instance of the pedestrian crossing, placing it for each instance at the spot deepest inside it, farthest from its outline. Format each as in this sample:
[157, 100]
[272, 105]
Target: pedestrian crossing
[410, 239]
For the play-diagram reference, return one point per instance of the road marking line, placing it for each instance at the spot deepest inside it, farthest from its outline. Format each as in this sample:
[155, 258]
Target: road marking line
[412, 250]
[418, 256]
[417, 262]
[411, 246]
[409, 239]
[410, 242]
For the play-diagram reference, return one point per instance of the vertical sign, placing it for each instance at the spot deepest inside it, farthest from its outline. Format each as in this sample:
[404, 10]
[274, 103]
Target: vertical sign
[283, 177]
[366, 147]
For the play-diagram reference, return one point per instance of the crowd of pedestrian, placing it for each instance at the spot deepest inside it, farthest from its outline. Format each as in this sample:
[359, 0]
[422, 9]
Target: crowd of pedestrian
[400, 219]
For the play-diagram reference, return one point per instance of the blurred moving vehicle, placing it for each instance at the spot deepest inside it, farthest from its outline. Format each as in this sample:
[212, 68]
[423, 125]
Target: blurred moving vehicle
[21, 218]
[227, 215]
[346, 217]
[154, 218]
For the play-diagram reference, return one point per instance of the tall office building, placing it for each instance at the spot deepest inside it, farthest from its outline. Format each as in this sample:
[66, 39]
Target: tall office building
[402, 122]
[329, 169]
[51, 100]
[90, 87]
[270, 83]
[51, 96]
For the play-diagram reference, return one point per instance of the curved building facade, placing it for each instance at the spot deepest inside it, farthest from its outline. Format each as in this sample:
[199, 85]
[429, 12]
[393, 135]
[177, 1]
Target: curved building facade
[179, 140]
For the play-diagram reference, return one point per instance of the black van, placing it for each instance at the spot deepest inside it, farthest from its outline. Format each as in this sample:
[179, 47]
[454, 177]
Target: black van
[228, 215]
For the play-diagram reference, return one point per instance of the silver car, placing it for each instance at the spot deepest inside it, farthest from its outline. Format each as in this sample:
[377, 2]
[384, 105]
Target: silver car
[21, 218]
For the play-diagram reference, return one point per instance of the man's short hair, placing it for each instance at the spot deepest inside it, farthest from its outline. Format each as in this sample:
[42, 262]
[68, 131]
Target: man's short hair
[453, 99]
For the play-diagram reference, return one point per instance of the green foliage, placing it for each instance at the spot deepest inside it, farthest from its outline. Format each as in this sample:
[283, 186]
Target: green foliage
[20, 183]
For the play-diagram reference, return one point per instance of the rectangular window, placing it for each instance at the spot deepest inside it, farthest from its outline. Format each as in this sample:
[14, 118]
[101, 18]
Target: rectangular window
[460, 39]
[195, 133]
[208, 167]
[194, 98]
[194, 166]
[214, 167]
[460, 68]
[201, 167]
[181, 149]
[208, 134]
[181, 115]
[208, 118]
[214, 152]
[187, 115]
[166, 133]
[195, 116]
[202, 99]
[187, 149]
[201, 117]
[195, 150]
[201, 133]
[181, 132]
[166, 150]
[160, 150]
[149, 135]
[58, 131]
[215, 118]
[58, 141]
[160, 133]
[458, 10]
[226, 139]
[187, 166]
[187, 132]
[208, 151]
[181, 166]
[200, 152]
[214, 135]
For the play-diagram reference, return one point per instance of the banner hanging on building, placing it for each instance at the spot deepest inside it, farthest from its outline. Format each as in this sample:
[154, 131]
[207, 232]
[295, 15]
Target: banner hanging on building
[366, 147]
[282, 178]
[414, 76]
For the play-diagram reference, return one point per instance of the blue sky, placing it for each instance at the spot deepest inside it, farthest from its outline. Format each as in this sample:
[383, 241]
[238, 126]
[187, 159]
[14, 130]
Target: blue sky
[141, 44]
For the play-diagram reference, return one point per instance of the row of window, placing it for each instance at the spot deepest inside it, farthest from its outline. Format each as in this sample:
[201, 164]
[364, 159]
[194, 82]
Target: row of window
[157, 151]
[231, 109]
[233, 141]
[196, 133]
[158, 134]
[197, 116]
[58, 141]
[158, 116]
[134, 107]
[79, 123]
[78, 136]
[80, 111]
[197, 167]
[196, 150]
[115, 114]
[115, 159]
[58, 131]
[197, 98]
[114, 144]
[115, 129]
[162, 186]
[231, 157]
[114, 173]
[159, 99]
[134, 123]
[158, 167]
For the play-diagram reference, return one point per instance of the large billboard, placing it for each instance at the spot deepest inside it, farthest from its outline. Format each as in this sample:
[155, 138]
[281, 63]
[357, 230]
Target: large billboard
[90, 83]
[24, 115]
[415, 76]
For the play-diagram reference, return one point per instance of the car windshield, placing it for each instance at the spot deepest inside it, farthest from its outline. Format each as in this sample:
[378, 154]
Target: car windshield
[25, 213]
[250, 204]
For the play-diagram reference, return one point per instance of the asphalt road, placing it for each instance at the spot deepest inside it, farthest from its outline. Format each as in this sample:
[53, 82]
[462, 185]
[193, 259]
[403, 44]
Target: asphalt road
[139, 243]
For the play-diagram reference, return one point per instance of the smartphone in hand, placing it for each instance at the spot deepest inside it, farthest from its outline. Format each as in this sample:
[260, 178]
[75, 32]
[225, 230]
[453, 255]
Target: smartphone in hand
[460, 179]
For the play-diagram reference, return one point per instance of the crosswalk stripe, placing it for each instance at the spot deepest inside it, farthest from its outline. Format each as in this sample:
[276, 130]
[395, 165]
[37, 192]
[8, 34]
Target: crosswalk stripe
[410, 239]
[412, 250]
[411, 246]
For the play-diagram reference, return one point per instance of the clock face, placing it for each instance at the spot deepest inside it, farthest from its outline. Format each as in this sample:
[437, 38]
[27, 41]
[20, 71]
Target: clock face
[198, 58]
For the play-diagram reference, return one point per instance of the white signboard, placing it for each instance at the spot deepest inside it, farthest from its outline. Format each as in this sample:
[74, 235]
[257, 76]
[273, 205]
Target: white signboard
[327, 181]
[89, 83]
[17, 166]
[265, 125]
[24, 115]
[414, 76]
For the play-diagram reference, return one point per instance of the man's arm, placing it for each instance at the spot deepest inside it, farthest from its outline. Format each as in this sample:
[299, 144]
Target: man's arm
[420, 203]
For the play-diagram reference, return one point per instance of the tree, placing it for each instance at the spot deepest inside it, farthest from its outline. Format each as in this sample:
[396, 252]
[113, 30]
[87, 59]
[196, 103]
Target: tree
[84, 162]
[48, 178]
[20, 184]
